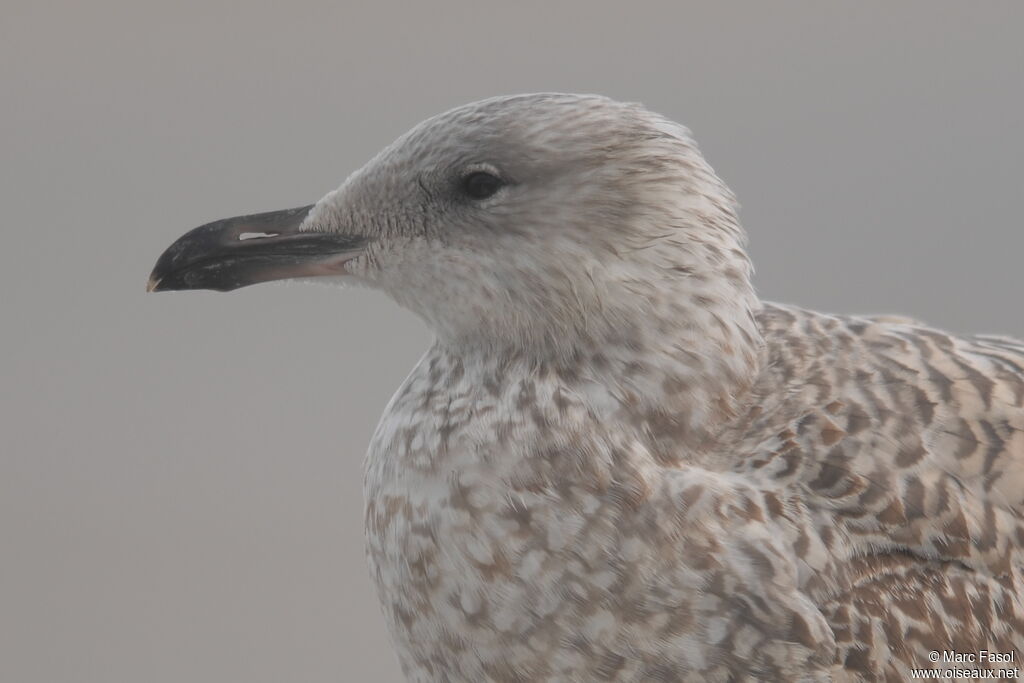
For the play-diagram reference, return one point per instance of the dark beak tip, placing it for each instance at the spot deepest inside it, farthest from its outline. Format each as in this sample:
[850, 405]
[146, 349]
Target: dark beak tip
[245, 250]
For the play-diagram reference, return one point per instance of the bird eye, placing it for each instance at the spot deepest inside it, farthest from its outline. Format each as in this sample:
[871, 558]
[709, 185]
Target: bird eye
[481, 184]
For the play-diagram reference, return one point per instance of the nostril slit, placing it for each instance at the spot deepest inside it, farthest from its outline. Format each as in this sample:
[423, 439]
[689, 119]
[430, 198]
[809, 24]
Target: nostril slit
[256, 235]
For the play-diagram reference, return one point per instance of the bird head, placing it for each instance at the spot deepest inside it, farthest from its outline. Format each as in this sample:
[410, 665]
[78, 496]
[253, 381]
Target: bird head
[531, 221]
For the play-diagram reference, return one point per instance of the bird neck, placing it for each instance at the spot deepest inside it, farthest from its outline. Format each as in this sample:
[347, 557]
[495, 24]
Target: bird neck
[677, 367]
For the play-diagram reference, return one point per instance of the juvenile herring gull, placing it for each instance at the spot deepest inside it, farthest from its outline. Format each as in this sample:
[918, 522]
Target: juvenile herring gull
[615, 463]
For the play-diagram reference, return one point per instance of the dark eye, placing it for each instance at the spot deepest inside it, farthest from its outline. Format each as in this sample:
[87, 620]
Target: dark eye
[481, 184]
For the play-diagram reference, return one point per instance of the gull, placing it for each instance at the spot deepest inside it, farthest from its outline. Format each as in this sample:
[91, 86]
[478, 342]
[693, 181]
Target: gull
[615, 462]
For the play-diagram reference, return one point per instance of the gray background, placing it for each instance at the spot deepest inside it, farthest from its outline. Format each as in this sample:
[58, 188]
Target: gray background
[180, 474]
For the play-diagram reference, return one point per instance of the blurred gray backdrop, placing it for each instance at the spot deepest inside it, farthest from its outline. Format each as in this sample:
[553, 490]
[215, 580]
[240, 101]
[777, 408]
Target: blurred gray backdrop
[180, 475]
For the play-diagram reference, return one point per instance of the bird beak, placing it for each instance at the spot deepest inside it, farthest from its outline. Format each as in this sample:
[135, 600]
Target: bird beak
[236, 252]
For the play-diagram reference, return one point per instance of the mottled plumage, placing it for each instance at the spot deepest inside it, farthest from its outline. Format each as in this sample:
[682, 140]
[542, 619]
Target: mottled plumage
[616, 464]
[859, 509]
